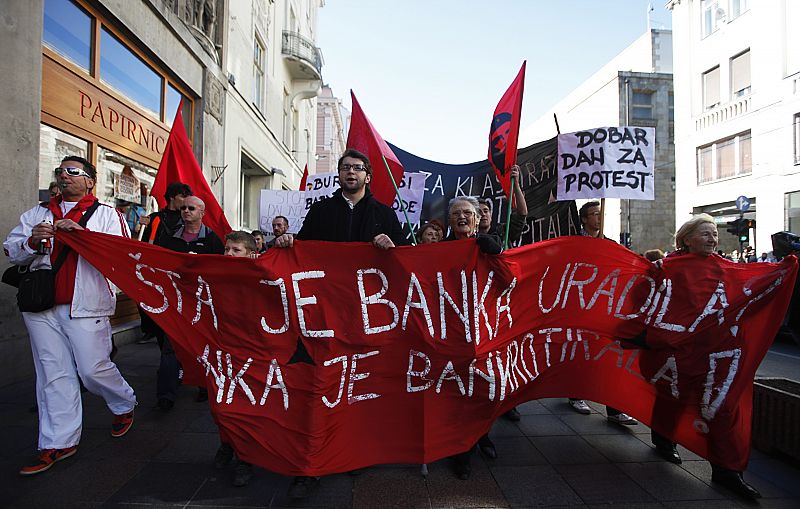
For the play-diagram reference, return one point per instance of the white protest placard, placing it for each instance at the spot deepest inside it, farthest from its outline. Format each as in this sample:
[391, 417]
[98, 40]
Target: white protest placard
[607, 162]
[275, 202]
[412, 190]
[128, 188]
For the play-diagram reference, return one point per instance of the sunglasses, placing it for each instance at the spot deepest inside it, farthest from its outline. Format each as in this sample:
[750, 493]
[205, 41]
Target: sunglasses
[72, 172]
[192, 208]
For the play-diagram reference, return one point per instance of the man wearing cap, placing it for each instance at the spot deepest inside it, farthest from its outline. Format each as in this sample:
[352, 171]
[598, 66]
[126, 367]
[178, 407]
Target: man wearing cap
[72, 340]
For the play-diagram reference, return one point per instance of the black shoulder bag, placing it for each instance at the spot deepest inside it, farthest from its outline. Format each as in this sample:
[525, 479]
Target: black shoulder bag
[37, 290]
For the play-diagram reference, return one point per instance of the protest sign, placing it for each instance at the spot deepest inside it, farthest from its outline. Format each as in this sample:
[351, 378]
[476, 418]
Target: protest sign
[128, 188]
[275, 202]
[410, 357]
[607, 162]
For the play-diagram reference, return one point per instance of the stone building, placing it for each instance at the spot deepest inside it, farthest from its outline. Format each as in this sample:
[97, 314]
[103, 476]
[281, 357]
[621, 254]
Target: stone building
[104, 78]
[737, 92]
[634, 88]
[333, 122]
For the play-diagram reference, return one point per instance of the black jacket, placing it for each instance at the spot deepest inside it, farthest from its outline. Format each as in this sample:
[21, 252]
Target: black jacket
[206, 242]
[332, 219]
[168, 223]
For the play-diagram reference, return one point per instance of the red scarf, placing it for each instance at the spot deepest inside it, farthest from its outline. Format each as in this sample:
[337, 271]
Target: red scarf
[65, 277]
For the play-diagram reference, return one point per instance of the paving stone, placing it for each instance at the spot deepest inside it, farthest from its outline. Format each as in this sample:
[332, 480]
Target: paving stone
[504, 428]
[632, 505]
[598, 484]
[567, 450]
[335, 491]
[515, 451]
[665, 481]
[447, 491]
[397, 487]
[534, 407]
[558, 406]
[198, 448]
[544, 425]
[622, 448]
[262, 490]
[534, 486]
[785, 477]
[163, 483]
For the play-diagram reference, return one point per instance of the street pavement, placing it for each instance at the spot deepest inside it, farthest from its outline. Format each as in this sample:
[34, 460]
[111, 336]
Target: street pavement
[553, 457]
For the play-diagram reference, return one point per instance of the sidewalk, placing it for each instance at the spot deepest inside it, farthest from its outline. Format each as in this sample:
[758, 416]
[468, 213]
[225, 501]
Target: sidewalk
[553, 457]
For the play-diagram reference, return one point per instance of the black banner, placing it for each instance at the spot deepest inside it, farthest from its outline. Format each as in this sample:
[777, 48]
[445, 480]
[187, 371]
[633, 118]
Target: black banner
[547, 218]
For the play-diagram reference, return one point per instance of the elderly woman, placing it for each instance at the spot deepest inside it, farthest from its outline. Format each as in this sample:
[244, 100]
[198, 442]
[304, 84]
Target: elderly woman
[430, 233]
[463, 215]
[697, 236]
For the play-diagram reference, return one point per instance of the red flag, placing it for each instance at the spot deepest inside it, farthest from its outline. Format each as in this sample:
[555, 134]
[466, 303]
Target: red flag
[304, 179]
[364, 138]
[504, 133]
[179, 165]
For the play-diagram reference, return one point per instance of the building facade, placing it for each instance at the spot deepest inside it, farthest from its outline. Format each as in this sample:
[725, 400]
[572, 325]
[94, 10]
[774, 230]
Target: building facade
[634, 88]
[737, 109]
[333, 123]
[273, 70]
[103, 79]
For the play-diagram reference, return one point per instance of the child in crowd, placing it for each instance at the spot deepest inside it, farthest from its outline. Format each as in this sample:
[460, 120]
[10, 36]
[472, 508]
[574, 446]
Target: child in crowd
[242, 245]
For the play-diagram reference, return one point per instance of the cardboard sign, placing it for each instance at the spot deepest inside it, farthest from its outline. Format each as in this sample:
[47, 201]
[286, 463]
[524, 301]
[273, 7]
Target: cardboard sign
[607, 162]
[128, 188]
[275, 202]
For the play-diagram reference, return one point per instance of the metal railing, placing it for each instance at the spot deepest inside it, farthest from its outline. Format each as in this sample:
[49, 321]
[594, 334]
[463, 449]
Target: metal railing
[295, 45]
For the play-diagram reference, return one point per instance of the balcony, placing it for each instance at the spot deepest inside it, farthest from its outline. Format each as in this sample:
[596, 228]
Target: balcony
[723, 113]
[303, 59]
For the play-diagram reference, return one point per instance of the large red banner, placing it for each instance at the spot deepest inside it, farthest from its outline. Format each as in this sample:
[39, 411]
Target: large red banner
[328, 357]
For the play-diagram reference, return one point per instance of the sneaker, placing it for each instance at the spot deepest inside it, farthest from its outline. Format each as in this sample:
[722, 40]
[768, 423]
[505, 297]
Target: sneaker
[302, 487]
[622, 418]
[47, 458]
[121, 424]
[580, 406]
[242, 474]
[223, 456]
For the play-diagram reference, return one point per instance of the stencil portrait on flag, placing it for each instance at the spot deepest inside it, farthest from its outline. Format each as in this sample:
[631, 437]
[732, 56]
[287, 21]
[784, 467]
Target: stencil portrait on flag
[607, 162]
[408, 355]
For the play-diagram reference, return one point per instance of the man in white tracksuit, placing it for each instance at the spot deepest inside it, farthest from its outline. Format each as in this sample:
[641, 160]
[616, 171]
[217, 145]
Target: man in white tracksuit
[73, 338]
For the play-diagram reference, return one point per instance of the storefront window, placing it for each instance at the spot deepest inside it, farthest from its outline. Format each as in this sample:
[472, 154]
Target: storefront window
[125, 184]
[55, 145]
[128, 74]
[68, 31]
[173, 100]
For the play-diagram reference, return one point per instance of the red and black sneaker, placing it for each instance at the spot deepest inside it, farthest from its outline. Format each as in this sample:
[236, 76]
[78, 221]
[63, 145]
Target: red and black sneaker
[47, 458]
[121, 424]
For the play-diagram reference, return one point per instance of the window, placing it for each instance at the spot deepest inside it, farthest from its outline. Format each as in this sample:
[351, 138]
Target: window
[792, 212]
[642, 106]
[740, 75]
[725, 158]
[797, 138]
[711, 88]
[174, 98]
[121, 69]
[258, 74]
[738, 7]
[55, 145]
[712, 16]
[791, 43]
[68, 31]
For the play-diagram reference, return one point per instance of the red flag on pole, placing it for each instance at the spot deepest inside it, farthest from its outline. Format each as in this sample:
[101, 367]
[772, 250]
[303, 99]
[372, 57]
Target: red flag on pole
[504, 133]
[364, 138]
[178, 164]
[304, 179]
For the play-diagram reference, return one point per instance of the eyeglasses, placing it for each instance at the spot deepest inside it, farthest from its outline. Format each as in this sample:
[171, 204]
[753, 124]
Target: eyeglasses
[72, 172]
[465, 213]
[191, 208]
[354, 167]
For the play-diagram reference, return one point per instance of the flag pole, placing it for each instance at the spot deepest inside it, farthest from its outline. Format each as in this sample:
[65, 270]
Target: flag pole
[508, 214]
[397, 193]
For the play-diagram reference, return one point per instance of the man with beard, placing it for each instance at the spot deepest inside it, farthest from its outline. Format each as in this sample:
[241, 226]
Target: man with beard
[352, 214]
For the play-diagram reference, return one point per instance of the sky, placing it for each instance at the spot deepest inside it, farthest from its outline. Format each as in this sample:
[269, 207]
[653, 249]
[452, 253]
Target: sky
[429, 73]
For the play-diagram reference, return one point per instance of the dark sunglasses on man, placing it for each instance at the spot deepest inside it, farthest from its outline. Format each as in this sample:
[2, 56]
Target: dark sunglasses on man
[72, 172]
[190, 207]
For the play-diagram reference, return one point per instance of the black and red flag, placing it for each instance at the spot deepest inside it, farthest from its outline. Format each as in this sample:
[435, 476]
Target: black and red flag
[504, 133]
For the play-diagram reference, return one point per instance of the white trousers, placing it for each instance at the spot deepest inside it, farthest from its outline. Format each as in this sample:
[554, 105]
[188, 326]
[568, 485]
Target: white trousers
[63, 349]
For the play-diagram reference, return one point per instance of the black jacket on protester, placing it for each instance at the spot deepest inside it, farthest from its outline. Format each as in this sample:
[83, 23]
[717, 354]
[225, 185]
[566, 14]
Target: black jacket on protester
[206, 242]
[168, 223]
[333, 220]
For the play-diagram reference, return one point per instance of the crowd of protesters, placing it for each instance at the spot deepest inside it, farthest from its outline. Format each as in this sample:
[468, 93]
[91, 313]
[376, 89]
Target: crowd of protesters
[63, 357]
